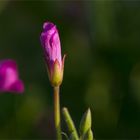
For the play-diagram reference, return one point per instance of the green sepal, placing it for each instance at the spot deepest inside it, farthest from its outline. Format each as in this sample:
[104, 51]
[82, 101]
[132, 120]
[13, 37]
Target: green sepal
[56, 74]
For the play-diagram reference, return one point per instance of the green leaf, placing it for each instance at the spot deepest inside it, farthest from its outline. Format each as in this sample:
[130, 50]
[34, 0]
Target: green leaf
[70, 125]
[85, 123]
[88, 135]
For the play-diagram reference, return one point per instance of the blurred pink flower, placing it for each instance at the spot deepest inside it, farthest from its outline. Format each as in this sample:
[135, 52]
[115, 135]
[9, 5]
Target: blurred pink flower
[9, 77]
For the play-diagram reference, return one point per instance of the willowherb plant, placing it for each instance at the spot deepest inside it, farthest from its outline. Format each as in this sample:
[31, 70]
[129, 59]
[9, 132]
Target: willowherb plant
[55, 66]
[10, 82]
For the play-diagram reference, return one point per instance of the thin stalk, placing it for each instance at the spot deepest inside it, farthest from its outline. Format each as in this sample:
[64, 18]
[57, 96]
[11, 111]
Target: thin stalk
[57, 113]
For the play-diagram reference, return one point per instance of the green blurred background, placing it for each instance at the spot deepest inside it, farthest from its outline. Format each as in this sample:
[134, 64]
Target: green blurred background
[102, 70]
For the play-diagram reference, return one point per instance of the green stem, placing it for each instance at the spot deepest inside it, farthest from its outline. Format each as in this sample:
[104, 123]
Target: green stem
[57, 113]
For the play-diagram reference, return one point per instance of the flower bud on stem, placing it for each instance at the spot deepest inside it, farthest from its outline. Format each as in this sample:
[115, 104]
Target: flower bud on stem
[55, 66]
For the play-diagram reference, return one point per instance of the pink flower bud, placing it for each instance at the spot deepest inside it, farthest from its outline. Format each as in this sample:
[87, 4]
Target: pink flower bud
[9, 79]
[52, 51]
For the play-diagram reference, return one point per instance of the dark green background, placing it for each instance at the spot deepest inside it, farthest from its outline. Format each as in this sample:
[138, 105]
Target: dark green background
[102, 70]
